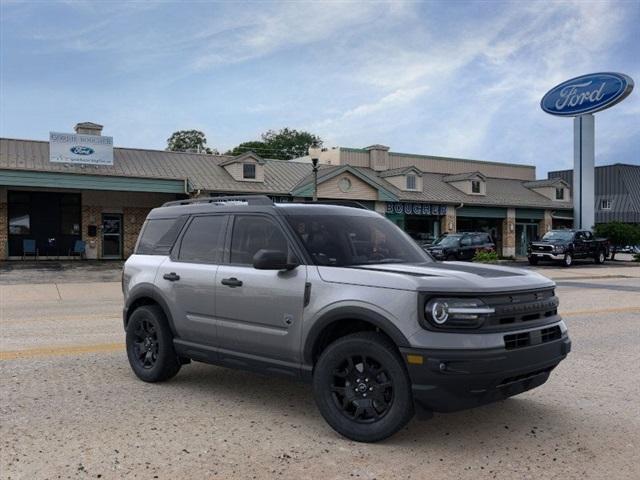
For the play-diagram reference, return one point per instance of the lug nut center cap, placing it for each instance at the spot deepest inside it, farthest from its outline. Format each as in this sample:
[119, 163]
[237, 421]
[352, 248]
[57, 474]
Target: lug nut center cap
[362, 388]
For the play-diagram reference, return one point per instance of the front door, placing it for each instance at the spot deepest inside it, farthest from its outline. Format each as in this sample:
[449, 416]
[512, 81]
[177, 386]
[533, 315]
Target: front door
[259, 312]
[525, 233]
[112, 235]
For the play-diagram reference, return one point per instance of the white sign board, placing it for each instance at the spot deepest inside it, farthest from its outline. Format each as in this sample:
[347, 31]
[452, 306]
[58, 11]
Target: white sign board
[77, 149]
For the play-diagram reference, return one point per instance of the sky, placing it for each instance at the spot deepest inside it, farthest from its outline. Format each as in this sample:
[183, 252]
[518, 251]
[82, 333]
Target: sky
[451, 78]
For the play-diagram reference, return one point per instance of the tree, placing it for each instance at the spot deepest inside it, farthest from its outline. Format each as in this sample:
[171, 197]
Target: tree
[257, 147]
[619, 234]
[188, 141]
[284, 144]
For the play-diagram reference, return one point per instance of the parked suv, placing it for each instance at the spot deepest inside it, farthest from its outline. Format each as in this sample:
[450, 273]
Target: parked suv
[461, 246]
[340, 297]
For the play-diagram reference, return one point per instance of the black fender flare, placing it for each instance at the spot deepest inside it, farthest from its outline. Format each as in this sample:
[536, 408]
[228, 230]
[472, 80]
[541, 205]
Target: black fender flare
[350, 313]
[147, 290]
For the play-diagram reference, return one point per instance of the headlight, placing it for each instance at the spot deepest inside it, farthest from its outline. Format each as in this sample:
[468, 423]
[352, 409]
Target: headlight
[456, 312]
[559, 248]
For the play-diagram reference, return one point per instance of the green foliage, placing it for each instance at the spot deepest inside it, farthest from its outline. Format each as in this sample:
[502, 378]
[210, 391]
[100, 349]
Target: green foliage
[619, 234]
[485, 257]
[284, 144]
[259, 148]
[188, 141]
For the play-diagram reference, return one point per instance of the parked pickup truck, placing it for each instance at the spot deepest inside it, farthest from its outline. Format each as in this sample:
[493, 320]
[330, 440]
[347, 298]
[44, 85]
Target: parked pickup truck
[566, 245]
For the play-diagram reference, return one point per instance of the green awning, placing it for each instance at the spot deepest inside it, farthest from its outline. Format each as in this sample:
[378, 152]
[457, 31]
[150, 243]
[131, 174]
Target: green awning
[482, 212]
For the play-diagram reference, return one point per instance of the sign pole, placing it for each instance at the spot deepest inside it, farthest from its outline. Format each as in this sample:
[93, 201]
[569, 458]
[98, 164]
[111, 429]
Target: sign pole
[583, 171]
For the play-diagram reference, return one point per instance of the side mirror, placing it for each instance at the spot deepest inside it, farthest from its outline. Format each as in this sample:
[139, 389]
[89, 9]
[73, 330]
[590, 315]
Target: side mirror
[272, 260]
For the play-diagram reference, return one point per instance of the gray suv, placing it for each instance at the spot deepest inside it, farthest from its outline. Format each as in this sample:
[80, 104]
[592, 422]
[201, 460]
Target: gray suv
[339, 297]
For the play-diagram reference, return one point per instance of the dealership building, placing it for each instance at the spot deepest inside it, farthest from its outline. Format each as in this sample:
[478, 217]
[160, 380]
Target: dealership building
[79, 188]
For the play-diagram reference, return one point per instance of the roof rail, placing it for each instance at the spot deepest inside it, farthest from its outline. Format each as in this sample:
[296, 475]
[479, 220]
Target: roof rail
[341, 203]
[236, 200]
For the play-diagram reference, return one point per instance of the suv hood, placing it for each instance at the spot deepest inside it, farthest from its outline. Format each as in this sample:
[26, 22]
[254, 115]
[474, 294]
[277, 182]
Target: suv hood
[441, 276]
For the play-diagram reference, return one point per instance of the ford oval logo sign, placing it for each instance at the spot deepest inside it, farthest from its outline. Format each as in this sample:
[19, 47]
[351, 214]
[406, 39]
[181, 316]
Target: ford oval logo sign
[79, 150]
[587, 94]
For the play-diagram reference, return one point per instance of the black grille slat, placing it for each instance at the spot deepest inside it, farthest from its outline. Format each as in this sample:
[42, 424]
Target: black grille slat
[526, 339]
[522, 307]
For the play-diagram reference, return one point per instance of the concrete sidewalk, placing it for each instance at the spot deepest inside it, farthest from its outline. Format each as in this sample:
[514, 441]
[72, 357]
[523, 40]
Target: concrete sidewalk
[47, 271]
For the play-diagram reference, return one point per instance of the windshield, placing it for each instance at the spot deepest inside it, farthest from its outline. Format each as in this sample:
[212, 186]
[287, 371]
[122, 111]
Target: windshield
[349, 240]
[447, 241]
[558, 235]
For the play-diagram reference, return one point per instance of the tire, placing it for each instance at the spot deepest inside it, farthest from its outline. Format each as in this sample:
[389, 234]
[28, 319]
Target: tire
[568, 260]
[150, 345]
[383, 378]
[600, 257]
[533, 260]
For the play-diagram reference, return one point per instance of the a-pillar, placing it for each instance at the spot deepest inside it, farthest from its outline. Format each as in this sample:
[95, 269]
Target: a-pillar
[509, 234]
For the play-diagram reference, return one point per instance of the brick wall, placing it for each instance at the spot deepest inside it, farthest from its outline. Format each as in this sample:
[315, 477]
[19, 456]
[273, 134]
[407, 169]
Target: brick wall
[92, 215]
[4, 227]
[545, 224]
[133, 218]
[509, 234]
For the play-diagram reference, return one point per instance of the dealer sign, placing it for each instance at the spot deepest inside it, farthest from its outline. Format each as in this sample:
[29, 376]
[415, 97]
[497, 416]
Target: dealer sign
[80, 149]
[587, 94]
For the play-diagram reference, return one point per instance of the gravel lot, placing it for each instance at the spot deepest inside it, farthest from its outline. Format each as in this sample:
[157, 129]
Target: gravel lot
[71, 408]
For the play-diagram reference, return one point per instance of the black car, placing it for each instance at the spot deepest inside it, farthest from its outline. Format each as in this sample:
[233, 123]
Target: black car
[461, 246]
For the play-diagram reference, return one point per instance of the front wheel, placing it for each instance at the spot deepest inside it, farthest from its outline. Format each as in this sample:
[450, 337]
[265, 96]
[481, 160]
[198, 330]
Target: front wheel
[362, 388]
[567, 261]
[600, 257]
[150, 345]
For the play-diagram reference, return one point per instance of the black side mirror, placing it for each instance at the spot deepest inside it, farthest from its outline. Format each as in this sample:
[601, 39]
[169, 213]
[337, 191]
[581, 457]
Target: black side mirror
[272, 260]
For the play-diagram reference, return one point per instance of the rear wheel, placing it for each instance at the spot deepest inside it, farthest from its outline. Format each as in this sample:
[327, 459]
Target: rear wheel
[567, 261]
[362, 388]
[150, 345]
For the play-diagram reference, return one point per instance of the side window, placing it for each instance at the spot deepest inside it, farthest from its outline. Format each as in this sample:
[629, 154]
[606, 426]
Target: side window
[252, 233]
[588, 236]
[203, 241]
[465, 241]
[579, 236]
[478, 239]
[158, 235]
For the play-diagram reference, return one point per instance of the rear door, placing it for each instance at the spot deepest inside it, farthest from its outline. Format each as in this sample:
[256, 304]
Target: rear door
[259, 312]
[467, 249]
[187, 278]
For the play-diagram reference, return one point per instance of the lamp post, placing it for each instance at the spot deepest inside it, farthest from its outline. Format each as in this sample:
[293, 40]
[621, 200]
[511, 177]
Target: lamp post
[314, 153]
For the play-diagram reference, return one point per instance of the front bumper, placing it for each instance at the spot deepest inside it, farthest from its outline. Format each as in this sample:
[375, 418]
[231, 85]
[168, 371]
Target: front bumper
[451, 380]
[438, 255]
[546, 255]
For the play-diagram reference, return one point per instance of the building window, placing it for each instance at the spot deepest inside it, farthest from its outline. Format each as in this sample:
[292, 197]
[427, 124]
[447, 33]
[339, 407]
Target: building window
[605, 204]
[411, 182]
[475, 186]
[344, 185]
[559, 193]
[249, 171]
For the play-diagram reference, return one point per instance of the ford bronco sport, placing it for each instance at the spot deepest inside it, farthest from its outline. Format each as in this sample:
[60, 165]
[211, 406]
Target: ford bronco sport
[340, 297]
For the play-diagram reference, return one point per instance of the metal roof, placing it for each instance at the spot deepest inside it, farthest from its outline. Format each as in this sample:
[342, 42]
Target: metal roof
[463, 176]
[205, 172]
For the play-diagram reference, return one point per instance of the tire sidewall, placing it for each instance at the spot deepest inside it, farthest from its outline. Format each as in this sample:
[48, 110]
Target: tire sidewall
[167, 364]
[375, 346]
[568, 260]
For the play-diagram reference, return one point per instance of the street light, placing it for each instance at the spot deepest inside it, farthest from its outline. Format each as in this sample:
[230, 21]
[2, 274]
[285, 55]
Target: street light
[314, 153]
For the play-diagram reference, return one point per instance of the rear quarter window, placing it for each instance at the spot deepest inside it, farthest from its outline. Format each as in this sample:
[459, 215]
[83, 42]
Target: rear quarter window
[158, 235]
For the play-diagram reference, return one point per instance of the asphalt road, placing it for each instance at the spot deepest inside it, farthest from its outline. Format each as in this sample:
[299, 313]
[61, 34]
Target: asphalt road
[71, 408]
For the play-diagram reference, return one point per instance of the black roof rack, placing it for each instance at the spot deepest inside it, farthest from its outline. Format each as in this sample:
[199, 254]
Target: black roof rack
[236, 199]
[340, 203]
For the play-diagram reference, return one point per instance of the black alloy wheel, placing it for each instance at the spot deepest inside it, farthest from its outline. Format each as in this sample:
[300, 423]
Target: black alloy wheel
[362, 389]
[145, 343]
[150, 345]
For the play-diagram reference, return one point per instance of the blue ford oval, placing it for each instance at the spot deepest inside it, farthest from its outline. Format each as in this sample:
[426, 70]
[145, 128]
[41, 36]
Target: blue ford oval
[80, 150]
[587, 94]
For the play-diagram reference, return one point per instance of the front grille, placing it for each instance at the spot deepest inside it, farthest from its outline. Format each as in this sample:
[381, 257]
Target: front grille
[516, 308]
[535, 337]
[542, 248]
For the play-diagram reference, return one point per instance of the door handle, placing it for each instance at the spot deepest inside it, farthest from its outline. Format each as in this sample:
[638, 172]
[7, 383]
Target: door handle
[172, 277]
[231, 282]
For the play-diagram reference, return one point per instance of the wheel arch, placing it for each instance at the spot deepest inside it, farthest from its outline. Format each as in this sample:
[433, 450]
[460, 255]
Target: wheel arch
[146, 294]
[343, 321]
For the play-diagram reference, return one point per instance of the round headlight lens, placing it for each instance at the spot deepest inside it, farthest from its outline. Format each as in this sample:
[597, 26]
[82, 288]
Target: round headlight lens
[439, 311]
